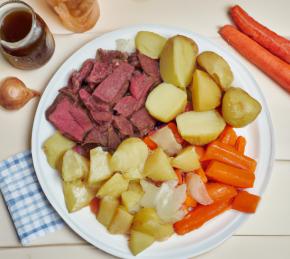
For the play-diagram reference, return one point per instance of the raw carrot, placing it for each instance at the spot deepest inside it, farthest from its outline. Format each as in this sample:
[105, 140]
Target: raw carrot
[241, 144]
[271, 65]
[176, 134]
[228, 136]
[200, 151]
[94, 205]
[246, 202]
[150, 143]
[227, 154]
[179, 175]
[219, 191]
[199, 216]
[231, 175]
[275, 43]
[202, 174]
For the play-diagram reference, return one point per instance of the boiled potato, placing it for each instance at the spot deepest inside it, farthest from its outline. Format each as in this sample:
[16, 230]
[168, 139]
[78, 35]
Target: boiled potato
[165, 102]
[150, 43]
[177, 61]
[114, 186]
[158, 168]
[121, 222]
[206, 94]
[147, 221]
[74, 166]
[100, 166]
[76, 195]
[187, 160]
[200, 128]
[217, 67]
[54, 148]
[107, 210]
[239, 108]
[130, 157]
[131, 200]
[139, 241]
[135, 186]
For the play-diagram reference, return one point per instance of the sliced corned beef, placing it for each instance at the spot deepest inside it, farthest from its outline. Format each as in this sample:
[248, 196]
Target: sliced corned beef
[140, 85]
[126, 106]
[99, 72]
[108, 56]
[96, 136]
[123, 125]
[133, 60]
[69, 92]
[150, 66]
[91, 104]
[115, 85]
[113, 139]
[100, 117]
[143, 121]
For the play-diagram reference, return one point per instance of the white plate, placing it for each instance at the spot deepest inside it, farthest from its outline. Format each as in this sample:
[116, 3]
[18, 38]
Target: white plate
[260, 146]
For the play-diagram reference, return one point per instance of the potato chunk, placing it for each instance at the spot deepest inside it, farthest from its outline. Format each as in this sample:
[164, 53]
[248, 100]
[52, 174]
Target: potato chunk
[54, 148]
[206, 94]
[131, 200]
[217, 67]
[139, 241]
[107, 210]
[200, 128]
[121, 222]
[158, 167]
[187, 160]
[177, 61]
[165, 102]
[150, 43]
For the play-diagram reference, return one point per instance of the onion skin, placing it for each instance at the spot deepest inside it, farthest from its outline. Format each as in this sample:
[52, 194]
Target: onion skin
[14, 94]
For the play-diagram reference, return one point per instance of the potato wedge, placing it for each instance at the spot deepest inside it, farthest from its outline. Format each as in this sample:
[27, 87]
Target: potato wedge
[160, 102]
[139, 241]
[187, 160]
[121, 222]
[131, 200]
[177, 61]
[150, 43]
[200, 128]
[217, 67]
[206, 94]
[107, 210]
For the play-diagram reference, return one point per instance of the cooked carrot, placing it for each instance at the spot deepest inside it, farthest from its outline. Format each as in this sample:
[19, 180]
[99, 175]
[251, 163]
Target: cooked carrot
[219, 191]
[176, 134]
[190, 202]
[275, 43]
[241, 144]
[200, 151]
[199, 216]
[227, 154]
[246, 202]
[179, 175]
[150, 143]
[202, 174]
[231, 175]
[271, 65]
[94, 205]
[228, 136]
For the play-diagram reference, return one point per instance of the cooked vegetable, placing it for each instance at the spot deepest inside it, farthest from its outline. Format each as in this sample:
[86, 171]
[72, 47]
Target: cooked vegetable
[150, 143]
[150, 43]
[271, 65]
[239, 108]
[246, 202]
[55, 147]
[74, 166]
[206, 94]
[231, 175]
[99, 166]
[202, 174]
[229, 155]
[130, 157]
[200, 128]
[139, 241]
[114, 186]
[217, 67]
[219, 191]
[14, 94]
[107, 210]
[179, 175]
[121, 222]
[187, 160]
[135, 186]
[228, 136]
[199, 216]
[76, 195]
[240, 144]
[275, 43]
[166, 140]
[95, 205]
[157, 167]
[189, 202]
[160, 102]
[131, 200]
[177, 61]
[175, 132]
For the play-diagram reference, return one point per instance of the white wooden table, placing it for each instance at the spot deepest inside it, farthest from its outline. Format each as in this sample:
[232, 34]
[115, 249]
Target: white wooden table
[267, 233]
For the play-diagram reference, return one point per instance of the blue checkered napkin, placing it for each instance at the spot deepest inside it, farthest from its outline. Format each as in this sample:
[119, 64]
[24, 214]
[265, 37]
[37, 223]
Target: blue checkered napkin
[31, 212]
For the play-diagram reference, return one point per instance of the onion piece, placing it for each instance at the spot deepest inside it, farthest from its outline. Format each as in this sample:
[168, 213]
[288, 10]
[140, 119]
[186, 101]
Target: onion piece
[197, 189]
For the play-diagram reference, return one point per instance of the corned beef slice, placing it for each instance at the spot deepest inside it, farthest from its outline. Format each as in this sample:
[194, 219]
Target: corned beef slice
[91, 104]
[140, 85]
[123, 125]
[114, 84]
[143, 121]
[150, 66]
[108, 56]
[133, 60]
[77, 78]
[100, 117]
[96, 136]
[113, 138]
[126, 106]
[99, 72]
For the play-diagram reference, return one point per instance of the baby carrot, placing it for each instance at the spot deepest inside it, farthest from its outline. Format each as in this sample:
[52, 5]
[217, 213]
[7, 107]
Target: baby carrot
[199, 216]
[176, 134]
[246, 202]
[219, 191]
[179, 175]
[241, 144]
[150, 143]
[228, 136]
[189, 202]
[200, 151]
[202, 174]
[227, 154]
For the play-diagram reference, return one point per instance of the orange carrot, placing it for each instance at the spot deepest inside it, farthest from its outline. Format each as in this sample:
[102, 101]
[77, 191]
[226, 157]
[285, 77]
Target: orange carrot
[200, 151]
[179, 175]
[246, 202]
[94, 205]
[190, 202]
[227, 154]
[219, 191]
[271, 65]
[231, 175]
[176, 134]
[150, 143]
[241, 144]
[202, 174]
[228, 136]
[199, 216]
[275, 43]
